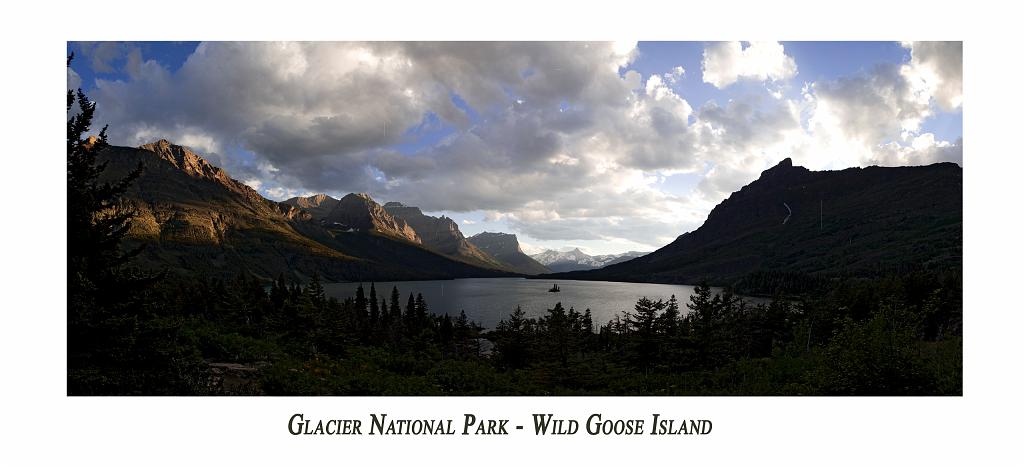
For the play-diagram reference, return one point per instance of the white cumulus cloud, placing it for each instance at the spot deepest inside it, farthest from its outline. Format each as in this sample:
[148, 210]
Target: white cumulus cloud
[560, 141]
[726, 62]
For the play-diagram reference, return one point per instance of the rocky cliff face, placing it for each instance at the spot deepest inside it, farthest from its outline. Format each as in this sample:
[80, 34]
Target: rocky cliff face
[853, 222]
[439, 233]
[442, 235]
[194, 218]
[357, 211]
[505, 248]
[318, 206]
[193, 165]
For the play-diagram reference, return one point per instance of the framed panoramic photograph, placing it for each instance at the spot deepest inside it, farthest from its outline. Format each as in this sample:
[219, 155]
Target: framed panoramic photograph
[379, 247]
[515, 218]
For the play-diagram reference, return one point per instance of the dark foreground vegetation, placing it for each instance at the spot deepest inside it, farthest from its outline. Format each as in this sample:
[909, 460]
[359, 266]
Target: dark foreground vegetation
[899, 336]
[133, 332]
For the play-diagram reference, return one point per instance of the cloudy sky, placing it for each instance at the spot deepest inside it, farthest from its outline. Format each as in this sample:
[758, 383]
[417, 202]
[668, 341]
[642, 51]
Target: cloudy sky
[605, 146]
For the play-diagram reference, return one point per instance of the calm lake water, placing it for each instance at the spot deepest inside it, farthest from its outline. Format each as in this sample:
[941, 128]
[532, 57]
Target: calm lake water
[488, 300]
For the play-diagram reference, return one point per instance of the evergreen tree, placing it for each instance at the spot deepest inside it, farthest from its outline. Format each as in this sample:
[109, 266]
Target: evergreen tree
[575, 320]
[669, 321]
[410, 313]
[396, 306]
[446, 332]
[588, 323]
[360, 300]
[512, 340]
[115, 344]
[98, 219]
[703, 307]
[644, 320]
[421, 309]
[316, 291]
[707, 319]
[462, 323]
[558, 330]
[644, 324]
[312, 308]
[374, 306]
[360, 308]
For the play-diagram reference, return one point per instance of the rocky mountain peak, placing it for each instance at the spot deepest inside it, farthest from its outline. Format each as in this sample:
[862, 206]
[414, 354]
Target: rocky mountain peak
[497, 242]
[576, 259]
[194, 165]
[185, 159]
[441, 234]
[361, 195]
[505, 247]
[783, 169]
[198, 221]
[402, 210]
[498, 236]
[318, 206]
[356, 196]
[358, 211]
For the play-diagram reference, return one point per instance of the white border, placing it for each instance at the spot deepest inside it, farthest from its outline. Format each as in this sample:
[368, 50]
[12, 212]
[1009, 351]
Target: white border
[41, 426]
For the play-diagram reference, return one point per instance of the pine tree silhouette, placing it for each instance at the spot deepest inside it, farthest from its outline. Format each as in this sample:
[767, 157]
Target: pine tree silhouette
[112, 344]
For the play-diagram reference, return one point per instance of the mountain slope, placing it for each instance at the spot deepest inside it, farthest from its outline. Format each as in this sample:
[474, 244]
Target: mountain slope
[357, 211]
[443, 236]
[853, 222]
[576, 259]
[194, 218]
[318, 206]
[505, 248]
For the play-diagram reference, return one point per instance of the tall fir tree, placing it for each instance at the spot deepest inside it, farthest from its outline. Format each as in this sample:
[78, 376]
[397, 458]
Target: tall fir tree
[558, 329]
[512, 345]
[421, 310]
[385, 317]
[396, 306]
[316, 291]
[644, 324]
[410, 314]
[703, 307]
[115, 343]
[374, 307]
[360, 304]
[669, 321]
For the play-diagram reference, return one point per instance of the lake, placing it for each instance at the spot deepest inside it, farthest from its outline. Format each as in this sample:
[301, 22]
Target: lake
[488, 300]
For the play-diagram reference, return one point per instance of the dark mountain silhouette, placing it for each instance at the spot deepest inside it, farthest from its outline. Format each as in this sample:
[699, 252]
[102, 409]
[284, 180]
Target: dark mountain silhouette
[505, 248]
[195, 218]
[858, 222]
